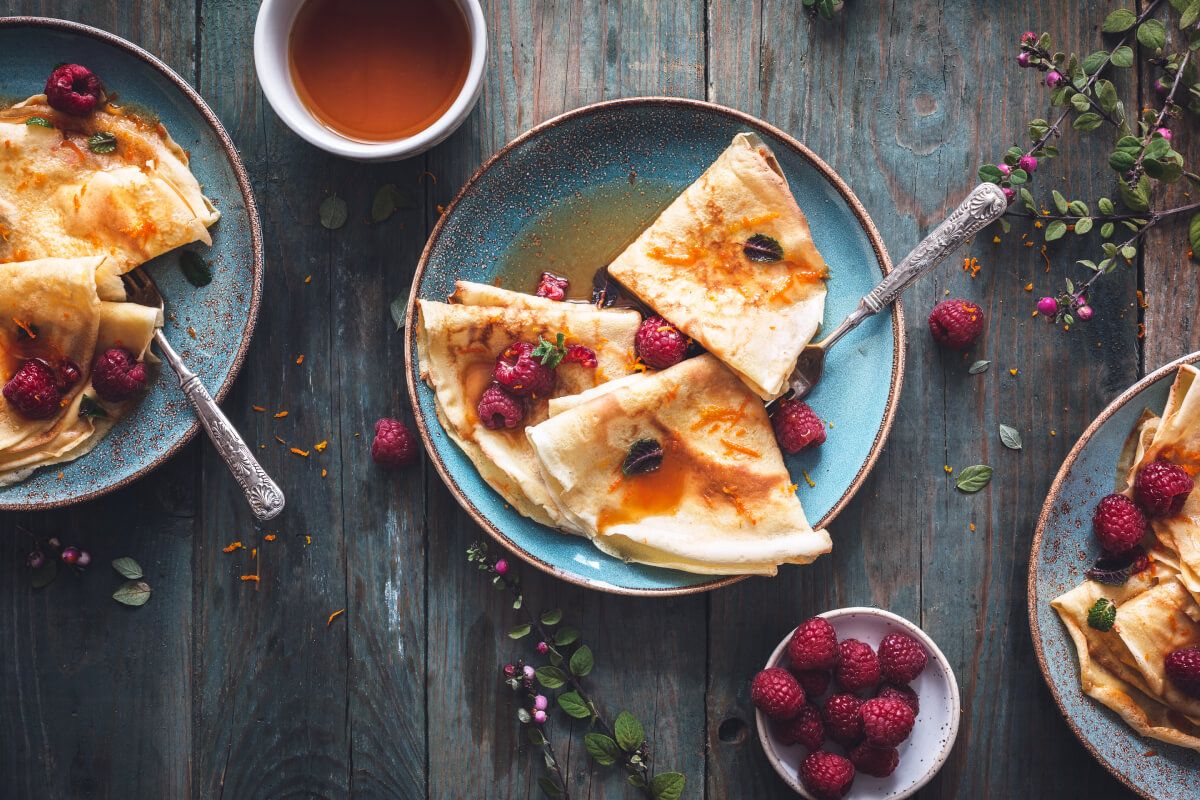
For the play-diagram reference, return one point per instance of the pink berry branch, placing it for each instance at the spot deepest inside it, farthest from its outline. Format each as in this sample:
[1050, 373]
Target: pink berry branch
[1142, 155]
[623, 742]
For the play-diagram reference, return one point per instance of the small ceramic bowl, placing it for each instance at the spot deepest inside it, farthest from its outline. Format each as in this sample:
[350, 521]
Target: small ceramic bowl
[925, 750]
[272, 31]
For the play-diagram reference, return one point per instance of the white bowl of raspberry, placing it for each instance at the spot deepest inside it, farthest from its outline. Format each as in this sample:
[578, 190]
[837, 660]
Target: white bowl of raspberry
[856, 703]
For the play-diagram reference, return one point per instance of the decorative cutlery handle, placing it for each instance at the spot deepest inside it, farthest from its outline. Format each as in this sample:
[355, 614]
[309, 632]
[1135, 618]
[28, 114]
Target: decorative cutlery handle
[263, 494]
[983, 206]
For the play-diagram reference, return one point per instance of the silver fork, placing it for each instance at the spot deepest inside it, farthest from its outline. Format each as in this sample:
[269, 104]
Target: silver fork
[263, 494]
[983, 206]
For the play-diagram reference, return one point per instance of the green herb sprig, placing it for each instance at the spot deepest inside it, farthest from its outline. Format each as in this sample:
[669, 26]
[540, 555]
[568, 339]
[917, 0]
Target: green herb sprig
[622, 743]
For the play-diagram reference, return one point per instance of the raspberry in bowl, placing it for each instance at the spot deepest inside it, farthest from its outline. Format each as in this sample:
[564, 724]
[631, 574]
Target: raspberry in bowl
[891, 749]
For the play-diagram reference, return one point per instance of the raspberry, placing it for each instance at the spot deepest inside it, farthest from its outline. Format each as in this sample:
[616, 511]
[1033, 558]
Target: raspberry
[843, 719]
[903, 693]
[394, 445]
[805, 728]
[814, 682]
[827, 775]
[1183, 669]
[1118, 523]
[553, 287]
[578, 354]
[1161, 488]
[32, 390]
[499, 409]
[67, 374]
[859, 666]
[956, 323]
[73, 89]
[776, 693]
[521, 374]
[901, 658]
[813, 645]
[659, 343]
[887, 721]
[878, 762]
[117, 375]
[797, 426]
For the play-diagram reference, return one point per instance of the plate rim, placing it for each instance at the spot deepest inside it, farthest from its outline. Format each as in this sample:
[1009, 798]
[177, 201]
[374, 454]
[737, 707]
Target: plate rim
[1035, 630]
[243, 181]
[827, 172]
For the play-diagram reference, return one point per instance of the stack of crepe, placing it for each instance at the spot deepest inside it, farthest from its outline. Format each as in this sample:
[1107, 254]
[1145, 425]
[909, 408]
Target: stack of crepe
[731, 263]
[1158, 609]
[75, 214]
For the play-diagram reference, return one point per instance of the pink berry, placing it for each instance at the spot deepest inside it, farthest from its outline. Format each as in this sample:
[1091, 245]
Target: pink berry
[1023, 59]
[510, 670]
[1009, 195]
[543, 648]
[1053, 78]
[529, 672]
[1028, 163]
[69, 555]
[1084, 312]
[1029, 37]
[36, 559]
[1047, 306]
[539, 702]
[539, 717]
[84, 559]
[1005, 169]
[1164, 133]
[501, 567]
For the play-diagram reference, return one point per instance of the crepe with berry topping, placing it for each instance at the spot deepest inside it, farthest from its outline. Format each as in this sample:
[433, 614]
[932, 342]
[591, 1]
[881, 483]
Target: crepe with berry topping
[677, 469]
[1123, 667]
[458, 345]
[731, 262]
[56, 301]
[113, 183]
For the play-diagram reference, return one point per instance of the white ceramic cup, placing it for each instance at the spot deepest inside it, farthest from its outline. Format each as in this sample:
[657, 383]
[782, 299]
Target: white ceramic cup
[271, 34]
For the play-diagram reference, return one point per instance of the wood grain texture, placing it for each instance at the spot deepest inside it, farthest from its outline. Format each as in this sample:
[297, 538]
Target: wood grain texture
[219, 689]
[546, 58]
[907, 122]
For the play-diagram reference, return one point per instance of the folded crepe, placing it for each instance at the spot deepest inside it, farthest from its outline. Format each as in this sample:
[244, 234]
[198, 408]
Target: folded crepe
[1157, 609]
[60, 197]
[719, 500]
[732, 263]
[57, 301]
[458, 344]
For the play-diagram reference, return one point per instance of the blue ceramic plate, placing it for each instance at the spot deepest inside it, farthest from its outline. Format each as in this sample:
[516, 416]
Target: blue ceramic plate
[1063, 549]
[222, 313]
[625, 160]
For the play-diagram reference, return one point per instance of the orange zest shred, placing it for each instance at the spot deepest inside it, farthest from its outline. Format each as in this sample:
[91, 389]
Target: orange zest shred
[25, 327]
[270, 537]
[281, 415]
[259, 409]
[321, 445]
[300, 359]
[281, 441]
[971, 266]
[308, 279]
[334, 616]
[254, 578]
[324, 472]
[307, 541]
[300, 452]
[811, 483]
[191, 331]
[229, 548]
[737, 448]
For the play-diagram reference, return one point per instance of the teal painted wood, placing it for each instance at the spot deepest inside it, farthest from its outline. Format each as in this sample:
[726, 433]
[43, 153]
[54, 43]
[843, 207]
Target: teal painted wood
[216, 689]
[907, 121]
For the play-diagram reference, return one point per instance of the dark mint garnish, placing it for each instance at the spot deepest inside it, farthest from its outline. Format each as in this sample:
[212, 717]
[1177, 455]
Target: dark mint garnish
[644, 456]
[763, 248]
[1102, 615]
[40, 122]
[90, 408]
[102, 142]
[1114, 570]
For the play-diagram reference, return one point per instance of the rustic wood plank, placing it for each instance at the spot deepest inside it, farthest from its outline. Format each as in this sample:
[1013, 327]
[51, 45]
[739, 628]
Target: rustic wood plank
[907, 122]
[546, 58]
[272, 698]
[96, 696]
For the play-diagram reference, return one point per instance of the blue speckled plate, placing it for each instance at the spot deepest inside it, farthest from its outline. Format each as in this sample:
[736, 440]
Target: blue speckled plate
[657, 141]
[222, 313]
[1063, 549]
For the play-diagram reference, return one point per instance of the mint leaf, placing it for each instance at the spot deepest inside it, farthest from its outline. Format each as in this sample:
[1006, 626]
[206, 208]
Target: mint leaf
[89, 408]
[582, 662]
[550, 677]
[1102, 615]
[667, 786]
[195, 269]
[518, 631]
[333, 212]
[552, 617]
[1010, 437]
[973, 478]
[601, 748]
[128, 568]
[133, 593]
[630, 734]
[39, 122]
[551, 355]
[572, 703]
[102, 142]
[978, 367]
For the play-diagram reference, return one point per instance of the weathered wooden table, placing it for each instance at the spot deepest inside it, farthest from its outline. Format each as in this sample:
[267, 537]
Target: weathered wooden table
[216, 688]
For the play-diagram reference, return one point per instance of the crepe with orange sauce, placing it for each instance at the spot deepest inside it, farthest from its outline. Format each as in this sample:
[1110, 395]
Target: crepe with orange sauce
[732, 263]
[719, 501]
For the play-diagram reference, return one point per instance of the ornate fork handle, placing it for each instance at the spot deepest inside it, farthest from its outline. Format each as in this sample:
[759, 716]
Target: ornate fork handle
[263, 494]
[983, 206]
